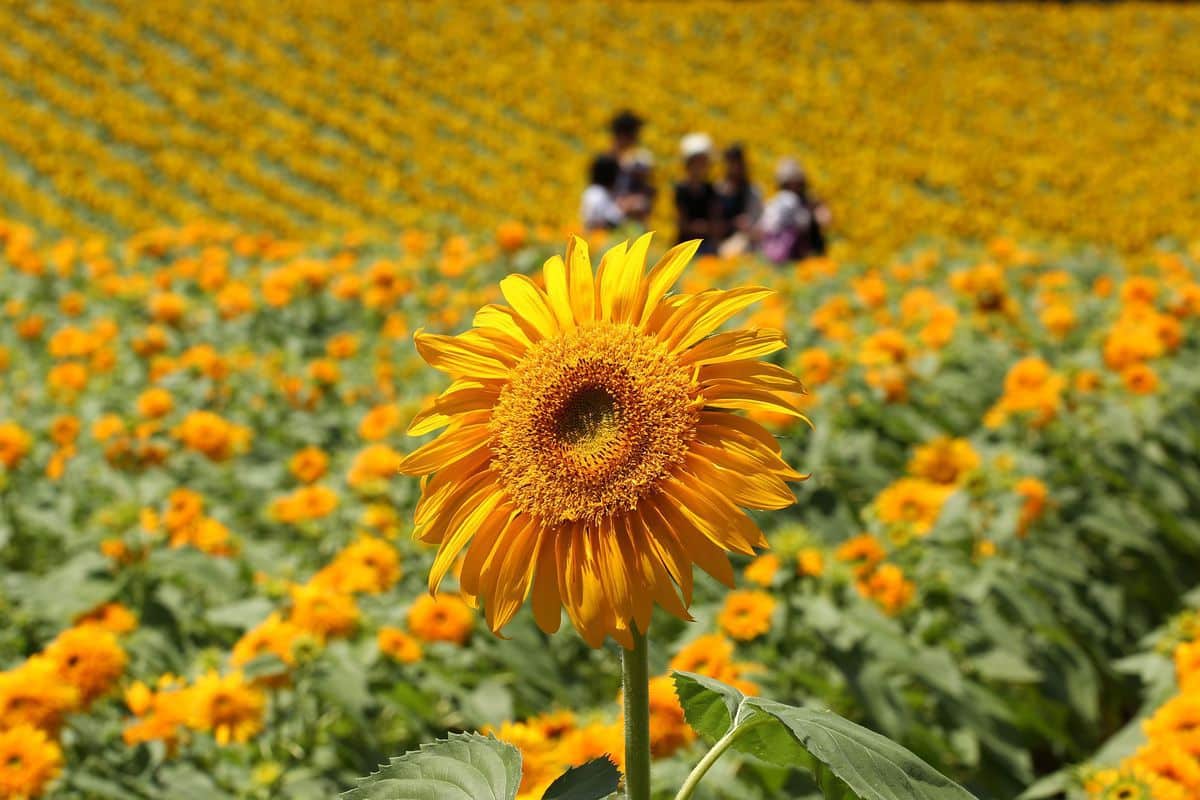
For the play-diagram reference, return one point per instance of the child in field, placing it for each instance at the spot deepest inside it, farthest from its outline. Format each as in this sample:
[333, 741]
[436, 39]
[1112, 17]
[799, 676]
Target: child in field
[793, 222]
[599, 207]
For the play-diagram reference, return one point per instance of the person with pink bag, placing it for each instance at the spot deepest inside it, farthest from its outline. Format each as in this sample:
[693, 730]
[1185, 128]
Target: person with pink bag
[793, 222]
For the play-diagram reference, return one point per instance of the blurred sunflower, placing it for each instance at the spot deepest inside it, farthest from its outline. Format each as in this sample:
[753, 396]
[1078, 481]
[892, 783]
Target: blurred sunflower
[591, 451]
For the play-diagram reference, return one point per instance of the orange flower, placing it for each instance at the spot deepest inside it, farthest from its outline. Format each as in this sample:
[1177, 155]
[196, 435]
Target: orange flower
[155, 402]
[309, 464]
[88, 658]
[444, 618]
[399, 645]
[14, 444]
[746, 614]
[29, 760]
[379, 422]
[1034, 492]
[888, 587]
[944, 460]
[863, 551]
[1140, 379]
[811, 562]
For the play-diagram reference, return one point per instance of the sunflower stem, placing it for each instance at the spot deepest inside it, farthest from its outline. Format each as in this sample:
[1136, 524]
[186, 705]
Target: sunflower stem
[635, 681]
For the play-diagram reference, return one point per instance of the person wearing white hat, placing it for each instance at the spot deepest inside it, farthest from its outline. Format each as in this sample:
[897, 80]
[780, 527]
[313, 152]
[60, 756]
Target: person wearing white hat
[697, 204]
[793, 222]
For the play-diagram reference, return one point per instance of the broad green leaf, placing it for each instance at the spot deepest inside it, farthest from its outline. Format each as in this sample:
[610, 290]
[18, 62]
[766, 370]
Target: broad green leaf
[595, 780]
[848, 761]
[466, 766]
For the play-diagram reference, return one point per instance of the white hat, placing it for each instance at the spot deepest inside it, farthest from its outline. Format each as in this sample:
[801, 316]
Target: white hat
[787, 170]
[695, 144]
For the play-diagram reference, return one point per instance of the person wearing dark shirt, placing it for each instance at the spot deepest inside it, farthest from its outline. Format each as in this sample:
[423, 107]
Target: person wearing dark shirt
[697, 205]
[635, 179]
[741, 203]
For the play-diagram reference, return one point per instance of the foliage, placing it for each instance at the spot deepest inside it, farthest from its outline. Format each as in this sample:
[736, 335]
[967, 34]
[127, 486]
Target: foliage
[201, 426]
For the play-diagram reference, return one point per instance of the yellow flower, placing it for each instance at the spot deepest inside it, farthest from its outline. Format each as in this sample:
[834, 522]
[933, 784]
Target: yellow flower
[747, 614]
[810, 561]
[944, 460]
[112, 617]
[368, 565]
[228, 706]
[273, 635]
[912, 505]
[35, 694]
[323, 611]
[1132, 782]
[761, 571]
[592, 453]
[88, 658]
[29, 760]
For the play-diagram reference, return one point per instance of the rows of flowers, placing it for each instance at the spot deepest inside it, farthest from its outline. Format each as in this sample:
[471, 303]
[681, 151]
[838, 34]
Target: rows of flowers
[200, 432]
[124, 116]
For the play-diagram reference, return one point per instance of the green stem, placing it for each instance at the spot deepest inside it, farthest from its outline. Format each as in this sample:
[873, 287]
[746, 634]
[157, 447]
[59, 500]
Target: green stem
[724, 743]
[635, 681]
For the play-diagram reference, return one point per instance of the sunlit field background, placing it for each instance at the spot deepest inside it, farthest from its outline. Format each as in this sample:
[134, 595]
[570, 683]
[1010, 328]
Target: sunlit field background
[223, 222]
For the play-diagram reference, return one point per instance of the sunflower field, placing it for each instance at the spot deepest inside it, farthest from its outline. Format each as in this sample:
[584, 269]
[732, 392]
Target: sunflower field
[942, 485]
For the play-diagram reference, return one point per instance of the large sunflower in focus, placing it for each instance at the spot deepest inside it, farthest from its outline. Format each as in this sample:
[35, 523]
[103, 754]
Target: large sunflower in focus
[592, 453]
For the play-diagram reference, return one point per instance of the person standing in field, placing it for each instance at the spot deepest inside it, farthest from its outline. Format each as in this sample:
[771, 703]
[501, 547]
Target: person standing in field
[741, 203]
[697, 205]
[793, 222]
[635, 179]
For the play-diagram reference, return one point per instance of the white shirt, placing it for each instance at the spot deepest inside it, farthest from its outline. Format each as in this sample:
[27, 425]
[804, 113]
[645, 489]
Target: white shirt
[599, 209]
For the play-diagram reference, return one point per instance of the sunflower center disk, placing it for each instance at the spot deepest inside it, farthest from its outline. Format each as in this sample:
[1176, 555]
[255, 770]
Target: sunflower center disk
[591, 422]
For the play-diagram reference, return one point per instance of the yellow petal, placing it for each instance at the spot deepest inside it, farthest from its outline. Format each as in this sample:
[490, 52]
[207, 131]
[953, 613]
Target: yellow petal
[547, 603]
[708, 556]
[462, 356]
[514, 576]
[453, 444]
[461, 398]
[555, 272]
[580, 281]
[469, 520]
[664, 274]
[735, 346]
[530, 303]
[709, 311]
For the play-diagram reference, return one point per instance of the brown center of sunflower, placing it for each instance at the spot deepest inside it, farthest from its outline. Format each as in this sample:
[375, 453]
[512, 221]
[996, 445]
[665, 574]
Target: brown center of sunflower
[591, 422]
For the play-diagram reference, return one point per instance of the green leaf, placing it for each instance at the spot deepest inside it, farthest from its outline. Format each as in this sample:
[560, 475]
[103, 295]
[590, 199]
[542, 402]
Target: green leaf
[466, 766]
[243, 614]
[595, 780]
[848, 761]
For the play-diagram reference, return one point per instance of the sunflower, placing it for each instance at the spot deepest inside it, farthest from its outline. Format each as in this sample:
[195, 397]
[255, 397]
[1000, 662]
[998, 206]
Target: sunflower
[591, 451]
[29, 759]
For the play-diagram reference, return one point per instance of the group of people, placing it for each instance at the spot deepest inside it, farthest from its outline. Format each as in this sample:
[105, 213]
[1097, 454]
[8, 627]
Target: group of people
[728, 216]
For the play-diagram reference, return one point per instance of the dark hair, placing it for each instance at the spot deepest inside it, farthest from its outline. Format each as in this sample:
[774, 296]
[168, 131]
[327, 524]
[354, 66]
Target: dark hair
[735, 152]
[605, 170]
[626, 122]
